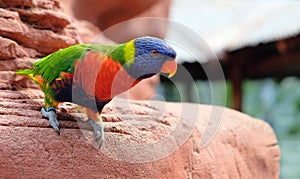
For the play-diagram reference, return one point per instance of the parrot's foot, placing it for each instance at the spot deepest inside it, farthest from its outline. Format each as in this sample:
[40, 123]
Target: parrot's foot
[50, 113]
[98, 130]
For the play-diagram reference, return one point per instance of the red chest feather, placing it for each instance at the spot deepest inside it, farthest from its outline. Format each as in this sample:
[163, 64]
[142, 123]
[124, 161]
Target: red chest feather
[102, 77]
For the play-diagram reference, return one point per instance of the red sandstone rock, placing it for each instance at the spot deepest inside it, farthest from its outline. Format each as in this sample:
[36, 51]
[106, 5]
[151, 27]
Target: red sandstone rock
[243, 147]
[44, 41]
[44, 19]
[10, 49]
[105, 14]
[29, 30]
[152, 21]
[88, 32]
[44, 4]
[43, 30]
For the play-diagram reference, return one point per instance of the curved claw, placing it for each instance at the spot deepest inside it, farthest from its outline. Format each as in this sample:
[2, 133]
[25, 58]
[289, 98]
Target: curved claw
[50, 113]
[98, 128]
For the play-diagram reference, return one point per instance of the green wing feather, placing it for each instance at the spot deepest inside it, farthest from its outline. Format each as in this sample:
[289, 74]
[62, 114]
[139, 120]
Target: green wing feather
[51, 66]
[63, 60]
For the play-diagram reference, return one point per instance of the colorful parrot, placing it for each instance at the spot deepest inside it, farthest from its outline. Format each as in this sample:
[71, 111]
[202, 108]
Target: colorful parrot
[90, 75]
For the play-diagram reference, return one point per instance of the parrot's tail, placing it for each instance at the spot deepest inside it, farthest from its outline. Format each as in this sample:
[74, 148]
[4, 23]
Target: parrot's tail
[25, 72]
[29, 74]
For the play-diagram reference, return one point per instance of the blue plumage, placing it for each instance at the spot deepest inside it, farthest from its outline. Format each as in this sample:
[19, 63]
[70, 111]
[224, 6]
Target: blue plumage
[150, 54]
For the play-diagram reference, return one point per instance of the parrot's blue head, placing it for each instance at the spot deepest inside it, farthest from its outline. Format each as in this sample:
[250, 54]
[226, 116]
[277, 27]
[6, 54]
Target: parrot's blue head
[151, 56]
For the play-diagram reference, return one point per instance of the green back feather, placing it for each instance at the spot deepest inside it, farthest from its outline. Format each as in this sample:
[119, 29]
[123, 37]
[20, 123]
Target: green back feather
[52, 65]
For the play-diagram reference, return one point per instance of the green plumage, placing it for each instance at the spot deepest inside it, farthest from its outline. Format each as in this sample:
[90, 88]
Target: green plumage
[24, 72]
[51, 66]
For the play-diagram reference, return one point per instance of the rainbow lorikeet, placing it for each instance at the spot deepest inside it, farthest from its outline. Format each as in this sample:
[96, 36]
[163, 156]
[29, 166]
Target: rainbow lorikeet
[90, 75]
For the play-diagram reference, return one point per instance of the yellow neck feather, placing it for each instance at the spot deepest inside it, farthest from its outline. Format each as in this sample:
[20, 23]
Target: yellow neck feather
[129, 51]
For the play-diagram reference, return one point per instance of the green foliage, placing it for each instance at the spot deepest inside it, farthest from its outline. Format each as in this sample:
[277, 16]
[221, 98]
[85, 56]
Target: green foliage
[275, 102]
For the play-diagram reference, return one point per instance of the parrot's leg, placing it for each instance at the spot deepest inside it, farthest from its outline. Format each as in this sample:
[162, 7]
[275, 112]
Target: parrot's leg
[50, 112]
[94, 119]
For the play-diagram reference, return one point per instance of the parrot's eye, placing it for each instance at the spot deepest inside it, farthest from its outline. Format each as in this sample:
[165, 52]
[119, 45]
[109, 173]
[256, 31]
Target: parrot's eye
[154, 51]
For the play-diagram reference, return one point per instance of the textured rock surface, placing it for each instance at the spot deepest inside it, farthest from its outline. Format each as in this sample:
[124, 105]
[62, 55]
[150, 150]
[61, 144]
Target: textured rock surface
[30, 29]
[243, 147]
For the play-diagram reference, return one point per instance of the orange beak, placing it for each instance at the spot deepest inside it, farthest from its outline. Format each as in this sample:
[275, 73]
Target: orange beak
[169, 67]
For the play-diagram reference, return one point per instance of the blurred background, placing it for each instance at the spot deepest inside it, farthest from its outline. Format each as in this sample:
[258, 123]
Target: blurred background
[257, 43]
